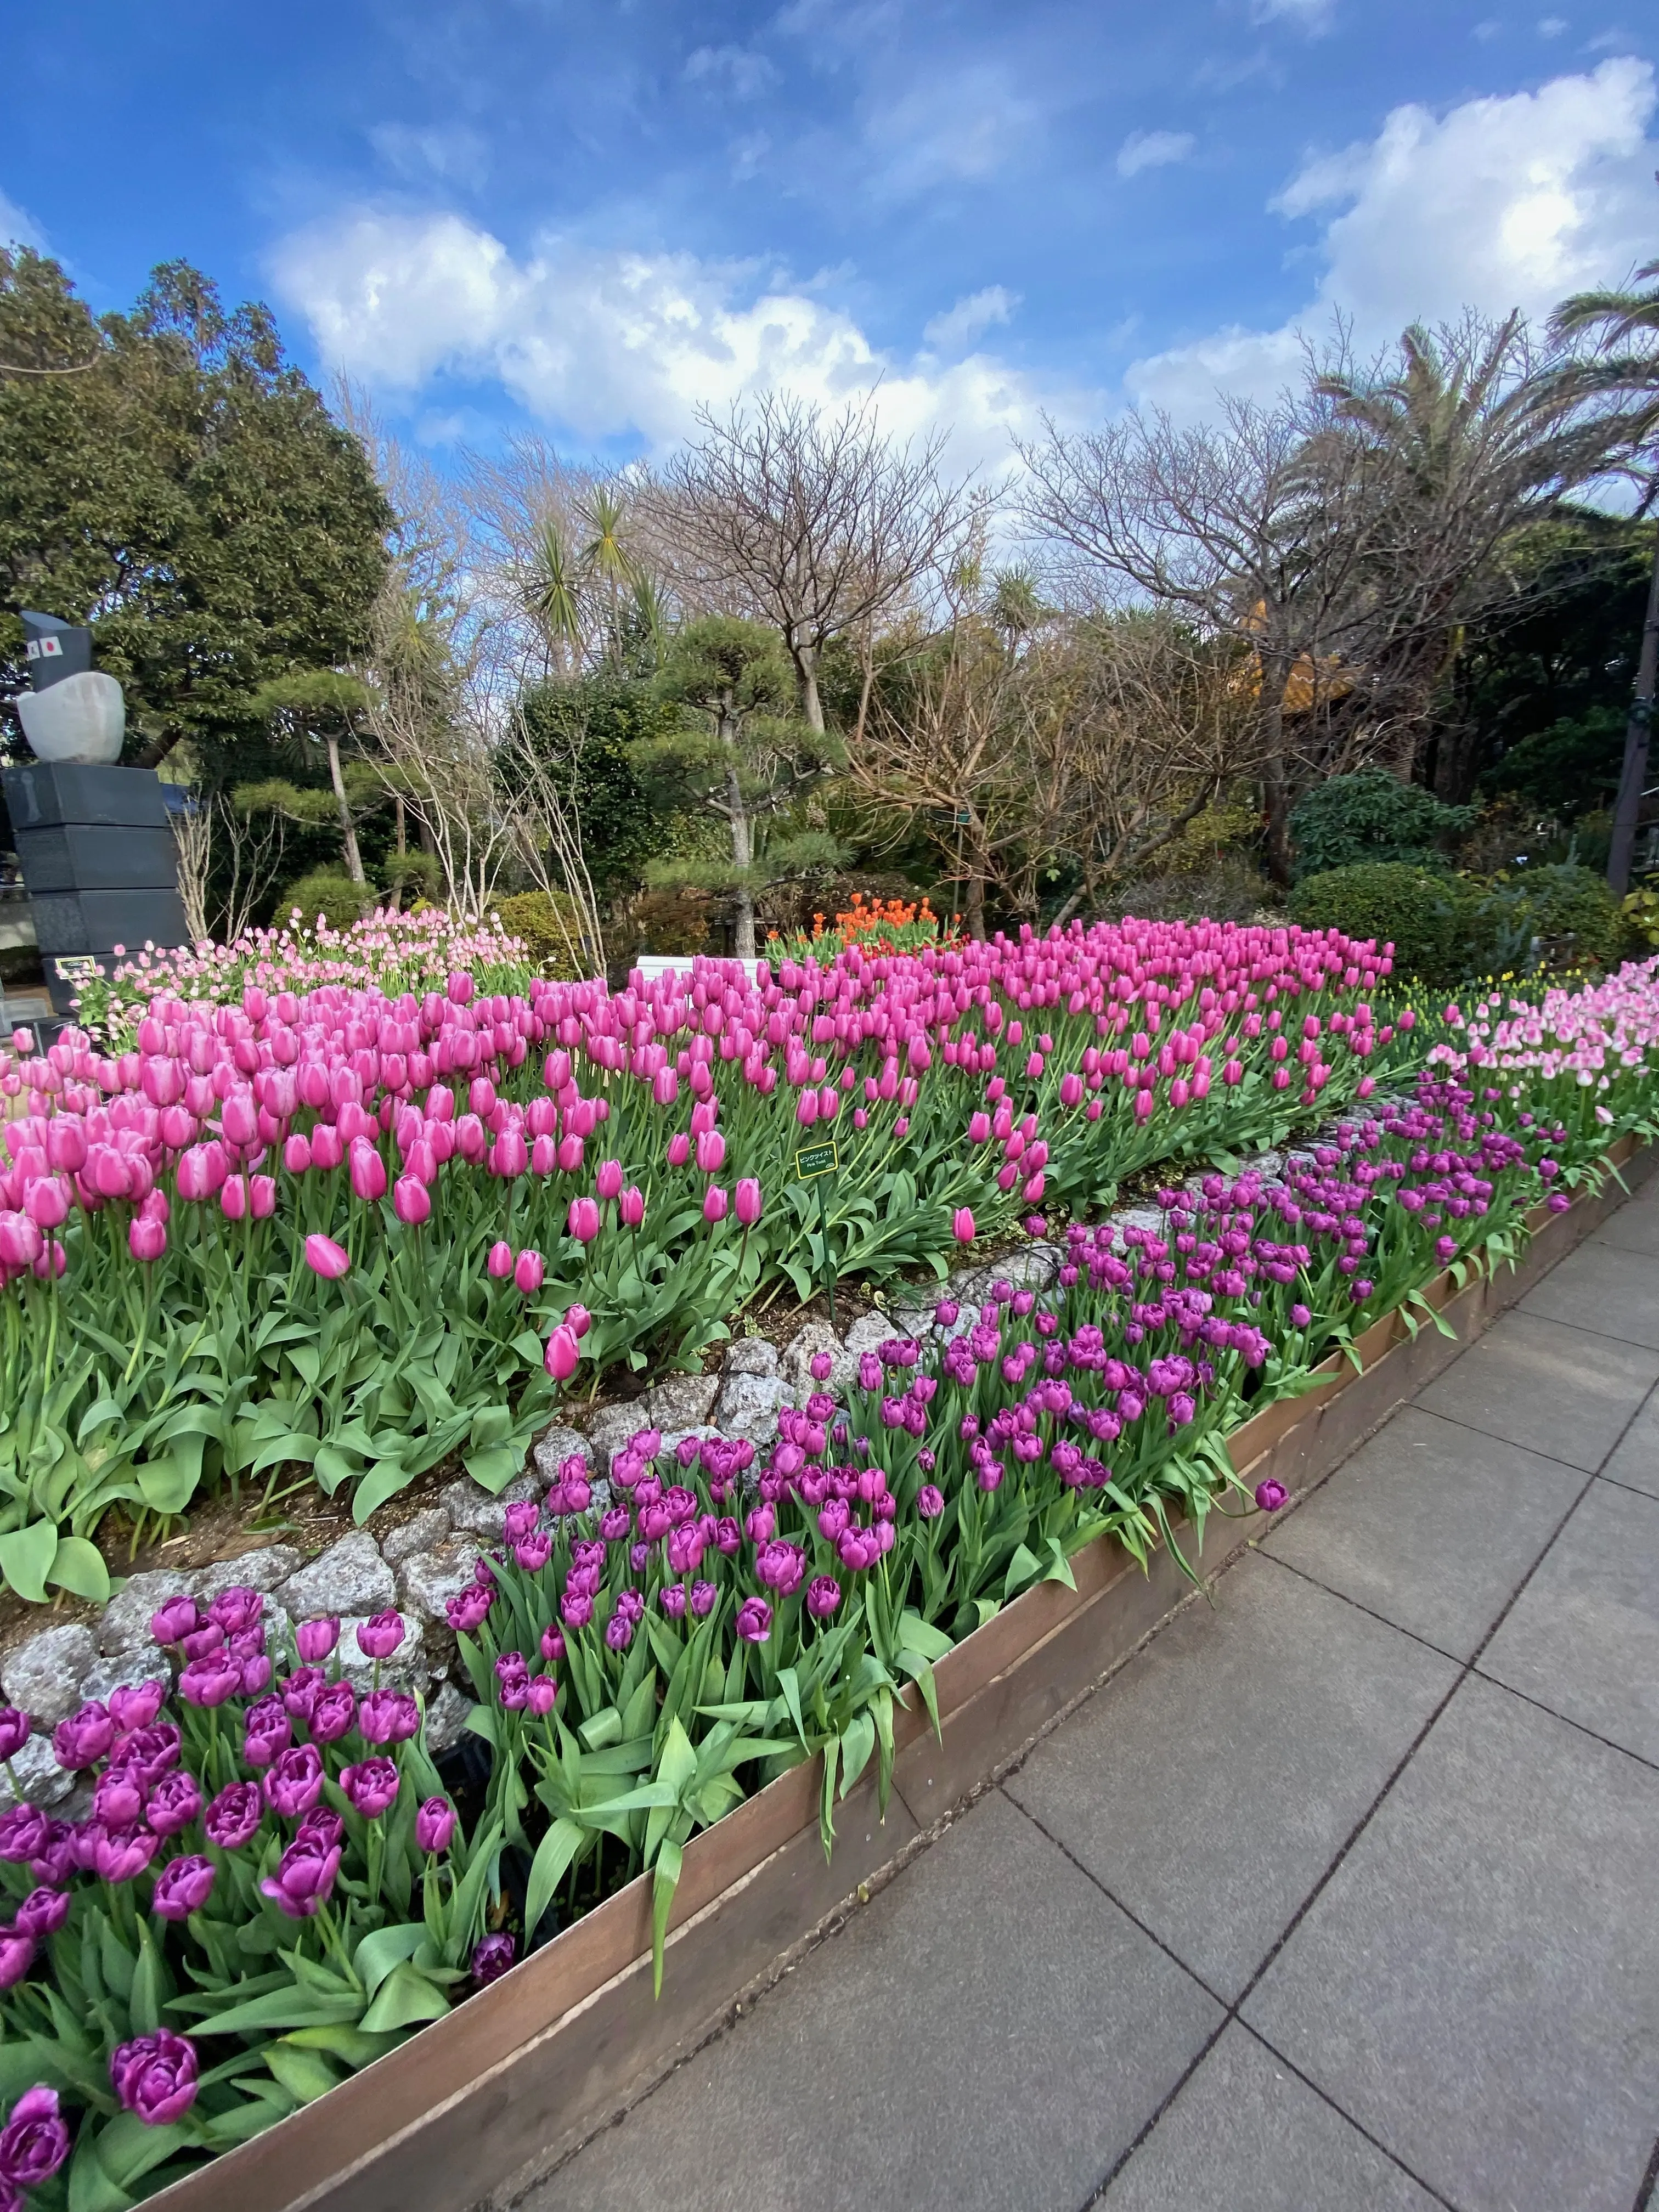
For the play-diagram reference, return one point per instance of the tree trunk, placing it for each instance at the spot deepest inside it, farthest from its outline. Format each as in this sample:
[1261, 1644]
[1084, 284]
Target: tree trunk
[1638, 732]
[812, 707]
[743, 847]
[973, 906]
[354, 859]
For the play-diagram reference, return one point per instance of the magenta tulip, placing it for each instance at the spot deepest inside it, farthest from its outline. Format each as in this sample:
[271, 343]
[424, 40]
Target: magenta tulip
[371, 1786]
[410, 1200]
[434, 1825]
[528, 1270]
[378, 1638]
[584, 1220]
[962, 1225]
[748, 1201]
[315, 1639]
[156, 2076]
[326, 1258]
[563, 1355]
[182, 1886]
[500, 1261]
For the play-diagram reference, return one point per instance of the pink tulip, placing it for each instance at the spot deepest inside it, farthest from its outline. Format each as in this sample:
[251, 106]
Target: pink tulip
[410, 1200]
[146, 1240]
[233, 1198]
[510, 1156]
[748, 1204]
[578, 1321]
[500, 1261]
[713, 1203]
[584, 1220]
[563, 1353]
[46, 1202]
[261, 1196]
[962, 1225]
[631, 1207]
[327, 1149]
[679, 1149]
[326, 1258]
[367, 1172]
[608, 1181]
[528, 1270]
[296, 1154]
[711, 1152]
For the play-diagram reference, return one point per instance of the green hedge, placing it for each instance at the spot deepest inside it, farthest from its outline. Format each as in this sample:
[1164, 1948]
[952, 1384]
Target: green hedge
[1445, 929]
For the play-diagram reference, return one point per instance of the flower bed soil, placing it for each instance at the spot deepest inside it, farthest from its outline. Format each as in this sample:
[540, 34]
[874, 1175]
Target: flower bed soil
[473, 2107]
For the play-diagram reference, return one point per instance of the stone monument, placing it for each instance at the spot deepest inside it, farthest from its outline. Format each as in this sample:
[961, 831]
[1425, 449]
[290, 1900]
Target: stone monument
[98, 856]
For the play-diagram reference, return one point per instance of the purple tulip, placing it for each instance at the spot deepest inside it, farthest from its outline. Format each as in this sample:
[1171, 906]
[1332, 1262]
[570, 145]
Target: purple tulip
[304, 1877]
[237, 1610]
[16, 1956]
[540, 1695]
[492, 1955]
[34, 2141]
[173, 1803]
[823, 1597]
[201, 1642]
[293, 1781]
[182, 1886]
[84, 1738]
[703, 1595]
[52, 1865]
[119, 1798]
[380, 1637]
[435, 1824]
[42, 1913]
[155, 2077]
[301, 1690]
[552, 1646]
[266, 1730]
[178, 1619]
[149, 1752]
[387, 1716]
[1271, 1495]
[315, 1639]
[521, 1518]
[15, 1729]
[372, 1786]
[466, 1612]
[322, 1825]
[334, 1712]
[211, 1680]
[754, 1622]
[25, 1833]
[930, 1501]
[135, 1708]
[121, 1853]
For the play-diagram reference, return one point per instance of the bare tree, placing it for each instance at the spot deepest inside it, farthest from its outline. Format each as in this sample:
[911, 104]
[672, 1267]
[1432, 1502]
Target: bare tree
[815, 524]
[1257, 528]
[210, 830]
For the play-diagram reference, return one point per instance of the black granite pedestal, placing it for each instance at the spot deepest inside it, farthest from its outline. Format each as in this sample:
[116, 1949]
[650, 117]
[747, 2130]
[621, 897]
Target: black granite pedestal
[99, 865]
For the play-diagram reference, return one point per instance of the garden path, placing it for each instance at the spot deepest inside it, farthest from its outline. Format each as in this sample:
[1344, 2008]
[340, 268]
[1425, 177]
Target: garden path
[1338, 1897]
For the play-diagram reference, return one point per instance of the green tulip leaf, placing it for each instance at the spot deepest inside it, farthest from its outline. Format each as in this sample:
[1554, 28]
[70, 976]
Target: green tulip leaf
[304, 2073]
[405, 1997]
[78, 1567]
[386, 1947]
[26, 1559]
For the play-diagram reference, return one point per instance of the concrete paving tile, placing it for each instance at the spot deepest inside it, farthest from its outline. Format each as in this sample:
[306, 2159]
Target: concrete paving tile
[1584, 1638]
[990, 2031]
[1477, 1985]
[1210, 1783]
[1635, 1461]
[1557, 1390]
[1605, 1287]
[1432, 1525]
[1246, 2133]
[1634, 1226]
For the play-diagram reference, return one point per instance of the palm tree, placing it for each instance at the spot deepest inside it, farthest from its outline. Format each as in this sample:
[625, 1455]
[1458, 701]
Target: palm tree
[553, 596]
[1626, 365]
[604, 559]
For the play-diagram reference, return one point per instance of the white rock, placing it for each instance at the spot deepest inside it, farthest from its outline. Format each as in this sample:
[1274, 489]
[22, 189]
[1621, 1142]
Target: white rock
[611, 1431]
[748, 1405]
[125, 1672]
[43, 1677]
[446, 1716]
[681, 1402]
[418, 1534]
[262, 1569]
[126, 1624]
[796, 1364]
[350, 1577]
[481, 1513]
[43, 1781]
[406, 1668]
[427, 1580]
[750, 1355]
[868, 1331]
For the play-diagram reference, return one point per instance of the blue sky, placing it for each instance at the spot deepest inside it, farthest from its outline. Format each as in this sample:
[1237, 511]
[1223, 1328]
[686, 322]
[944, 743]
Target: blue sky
[591, 216]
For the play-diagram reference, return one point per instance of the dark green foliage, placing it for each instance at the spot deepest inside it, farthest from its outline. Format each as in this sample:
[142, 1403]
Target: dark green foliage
[591, 723]
[1568, 914]
[1570, 768]
[1373, 817]
[331, 892]
[1392, 902]
[189, 494]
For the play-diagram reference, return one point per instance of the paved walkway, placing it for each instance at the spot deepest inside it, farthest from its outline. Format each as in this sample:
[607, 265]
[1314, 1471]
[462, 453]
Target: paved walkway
[1343, 1894]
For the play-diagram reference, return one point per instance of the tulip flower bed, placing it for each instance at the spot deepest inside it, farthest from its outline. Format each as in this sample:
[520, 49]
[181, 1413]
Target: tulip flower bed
[246, 1882]
[268, 1891]
[332, 1228]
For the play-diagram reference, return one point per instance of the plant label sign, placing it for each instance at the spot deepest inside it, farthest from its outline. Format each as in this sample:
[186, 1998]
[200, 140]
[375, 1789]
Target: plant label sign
[817, 1160]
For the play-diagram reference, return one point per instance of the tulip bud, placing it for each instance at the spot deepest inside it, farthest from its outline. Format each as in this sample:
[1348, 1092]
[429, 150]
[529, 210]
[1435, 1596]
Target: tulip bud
[578, 1320]
[528, 1270]
[563, 1354]
[631, 1207]
[748, 1206]
[713, 1203]
[326, 1258]
[500, 1261]
[962, 1225]
[584, 1220]
[410, 1200]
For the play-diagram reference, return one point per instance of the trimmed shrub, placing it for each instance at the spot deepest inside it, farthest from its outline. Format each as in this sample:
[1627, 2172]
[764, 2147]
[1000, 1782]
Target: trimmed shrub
[1371, 818]
[1415, 910]
[547, 925]
[330, 891]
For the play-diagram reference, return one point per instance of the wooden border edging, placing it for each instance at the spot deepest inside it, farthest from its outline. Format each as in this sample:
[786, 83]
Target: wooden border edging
[515, 2078]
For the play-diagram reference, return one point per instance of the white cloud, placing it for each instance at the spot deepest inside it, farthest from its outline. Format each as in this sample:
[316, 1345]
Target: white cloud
[1312, 15]
[1502, 203]
[449, 151]
[18, 227]
[1153, 150]
[1551, 26]
[960, 324]
[735, 70]
[605, 344]
[959, 127]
